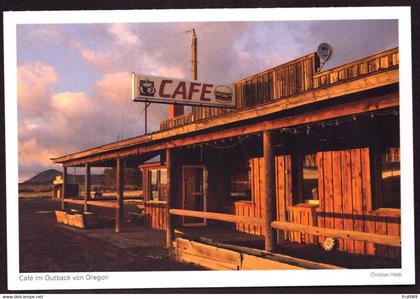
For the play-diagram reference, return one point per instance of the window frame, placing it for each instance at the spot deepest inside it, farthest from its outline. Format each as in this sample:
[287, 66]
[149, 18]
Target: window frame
[376, 153]
[247, 193]
[149, 195]
[297, 161]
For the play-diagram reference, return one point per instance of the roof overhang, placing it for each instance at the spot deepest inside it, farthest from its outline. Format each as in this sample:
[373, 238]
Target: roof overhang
[152, 143]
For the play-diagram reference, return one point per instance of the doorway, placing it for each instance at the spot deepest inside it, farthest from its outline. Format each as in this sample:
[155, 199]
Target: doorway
[194, 190]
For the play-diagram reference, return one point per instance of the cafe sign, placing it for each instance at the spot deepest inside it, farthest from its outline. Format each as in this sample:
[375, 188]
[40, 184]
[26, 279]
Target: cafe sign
[154, 89]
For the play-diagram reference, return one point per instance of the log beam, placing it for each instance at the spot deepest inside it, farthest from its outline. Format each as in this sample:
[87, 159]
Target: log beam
[119, 211]
[341, 234]
[170, 234]
[269, 191]
[87, 186]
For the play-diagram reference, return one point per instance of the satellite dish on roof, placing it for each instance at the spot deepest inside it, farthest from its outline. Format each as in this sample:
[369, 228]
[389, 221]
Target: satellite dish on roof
[324, 53]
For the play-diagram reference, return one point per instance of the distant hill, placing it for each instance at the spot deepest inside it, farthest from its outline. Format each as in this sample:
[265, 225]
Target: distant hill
[48, 176]
[44, 177]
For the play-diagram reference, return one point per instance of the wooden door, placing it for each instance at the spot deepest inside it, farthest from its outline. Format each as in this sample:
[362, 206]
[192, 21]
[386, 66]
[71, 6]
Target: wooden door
[194, 192]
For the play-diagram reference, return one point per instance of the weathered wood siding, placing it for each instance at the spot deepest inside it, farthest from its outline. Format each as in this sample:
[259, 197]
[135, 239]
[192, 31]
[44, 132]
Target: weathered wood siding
[284, 209]
[345, 201]
[253, 208]
[282, 81]
[155, 215]
[279, 82]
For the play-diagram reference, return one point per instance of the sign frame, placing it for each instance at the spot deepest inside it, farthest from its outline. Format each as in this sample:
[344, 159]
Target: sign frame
[148, 85]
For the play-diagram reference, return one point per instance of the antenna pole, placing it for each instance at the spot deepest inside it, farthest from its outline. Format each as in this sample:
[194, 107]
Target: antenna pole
[194, 55]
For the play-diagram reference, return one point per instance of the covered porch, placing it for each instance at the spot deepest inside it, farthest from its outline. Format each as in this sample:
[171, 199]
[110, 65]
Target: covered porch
[216, 155]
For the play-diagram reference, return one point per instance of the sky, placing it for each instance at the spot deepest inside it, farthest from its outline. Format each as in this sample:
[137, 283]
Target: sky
[74, 79]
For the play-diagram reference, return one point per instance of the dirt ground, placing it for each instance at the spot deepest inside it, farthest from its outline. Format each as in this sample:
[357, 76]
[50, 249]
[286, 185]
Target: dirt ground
[47, 247]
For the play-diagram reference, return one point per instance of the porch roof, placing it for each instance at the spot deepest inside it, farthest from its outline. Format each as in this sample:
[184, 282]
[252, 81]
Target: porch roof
[251, 119]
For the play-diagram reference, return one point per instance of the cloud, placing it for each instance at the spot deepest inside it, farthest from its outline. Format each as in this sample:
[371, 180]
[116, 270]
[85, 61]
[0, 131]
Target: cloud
[170, 55]
[115, 87]
[31, 152]
[73, 121]
[123, 34]
[47, 32]
[72, 104]
[113, 99]
[34, 86]
[34, 157]
[96, 59]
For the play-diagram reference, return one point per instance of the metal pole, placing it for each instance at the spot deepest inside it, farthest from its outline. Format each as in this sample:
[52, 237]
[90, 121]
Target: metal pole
[145, 118]
[146, 105]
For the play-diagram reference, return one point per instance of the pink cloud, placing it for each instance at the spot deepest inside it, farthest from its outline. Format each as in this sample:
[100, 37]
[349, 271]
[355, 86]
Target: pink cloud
[96, 59]
[34, 81]
[123, 34]
[72, 104]
[167, 71]
[114, 87]
[33, 153]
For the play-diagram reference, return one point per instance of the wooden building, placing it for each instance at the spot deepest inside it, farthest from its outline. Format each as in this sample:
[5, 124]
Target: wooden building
[72, 189]
[304, 156]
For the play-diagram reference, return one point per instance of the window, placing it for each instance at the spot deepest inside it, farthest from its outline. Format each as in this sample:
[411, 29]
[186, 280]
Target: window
[240, 185]
[387, 182]
[157, 184]
[305, 179]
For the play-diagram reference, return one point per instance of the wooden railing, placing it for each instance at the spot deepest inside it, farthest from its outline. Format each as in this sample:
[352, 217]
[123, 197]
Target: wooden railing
[338, 233]
[357, 69]
[318, 231]
[105, 204]
[216, 216]
[177, 121]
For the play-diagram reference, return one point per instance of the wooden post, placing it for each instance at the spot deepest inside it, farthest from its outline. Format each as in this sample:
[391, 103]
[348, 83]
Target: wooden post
[269, 190]
[87, 186]
[170, 233]
[119, 216]
[194, 55]
[63, 189]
